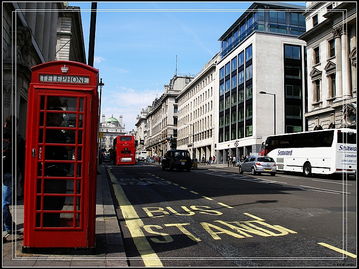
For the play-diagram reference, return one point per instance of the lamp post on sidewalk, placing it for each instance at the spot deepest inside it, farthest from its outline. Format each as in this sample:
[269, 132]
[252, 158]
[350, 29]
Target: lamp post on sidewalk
[274, 118]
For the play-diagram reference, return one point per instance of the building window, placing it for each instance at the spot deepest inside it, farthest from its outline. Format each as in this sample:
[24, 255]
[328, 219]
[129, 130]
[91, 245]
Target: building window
[292, 52]
[249, 53]
[332, 86]
[227, 69]
[234, 81]
[240, 96]
[249, 130]
[316, 91]
[221, 73]
[316, 56]
[331, 44]
[293, 72]
[227, 85]
[249, 72]
[234, 64]
[315, 20]
[234, 98]
[249, 111]
[240, 77]
[293, 112]
[221, 88]
[240, 59]
[249, 92]
[293, 91]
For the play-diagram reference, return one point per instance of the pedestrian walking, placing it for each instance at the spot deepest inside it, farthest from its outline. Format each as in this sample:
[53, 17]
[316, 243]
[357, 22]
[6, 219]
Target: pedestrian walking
[9, 174]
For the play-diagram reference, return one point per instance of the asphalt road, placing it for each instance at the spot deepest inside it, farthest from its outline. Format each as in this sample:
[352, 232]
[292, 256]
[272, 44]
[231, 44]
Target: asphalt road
[212, 218]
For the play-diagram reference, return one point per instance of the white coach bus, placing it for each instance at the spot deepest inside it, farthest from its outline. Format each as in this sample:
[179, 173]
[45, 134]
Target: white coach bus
[315, 152]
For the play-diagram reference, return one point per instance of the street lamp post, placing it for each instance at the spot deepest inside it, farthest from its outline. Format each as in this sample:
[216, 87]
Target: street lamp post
[274, 118]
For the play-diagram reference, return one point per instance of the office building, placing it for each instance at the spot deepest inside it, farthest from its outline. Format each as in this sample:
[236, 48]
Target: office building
[261, 78]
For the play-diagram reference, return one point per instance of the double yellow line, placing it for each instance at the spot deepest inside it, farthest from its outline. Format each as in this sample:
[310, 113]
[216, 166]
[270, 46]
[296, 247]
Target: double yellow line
[134, 225]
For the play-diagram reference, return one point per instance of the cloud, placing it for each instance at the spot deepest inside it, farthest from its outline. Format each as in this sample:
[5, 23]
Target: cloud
[127, 102]
[98, 59]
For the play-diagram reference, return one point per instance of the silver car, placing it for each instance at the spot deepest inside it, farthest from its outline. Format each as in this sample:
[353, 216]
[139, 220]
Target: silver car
[258, 164]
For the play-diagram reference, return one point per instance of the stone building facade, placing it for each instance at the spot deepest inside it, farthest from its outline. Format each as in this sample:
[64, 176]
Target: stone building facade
[33, 33]
[162, 118]
[331, 61]
[141, 132]
[197, 112]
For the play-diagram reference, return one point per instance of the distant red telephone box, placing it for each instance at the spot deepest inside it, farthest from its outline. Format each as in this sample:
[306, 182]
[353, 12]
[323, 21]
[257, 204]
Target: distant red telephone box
[61, 156]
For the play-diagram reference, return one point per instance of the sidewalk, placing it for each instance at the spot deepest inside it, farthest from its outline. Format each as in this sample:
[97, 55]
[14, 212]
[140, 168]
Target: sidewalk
[109, 251]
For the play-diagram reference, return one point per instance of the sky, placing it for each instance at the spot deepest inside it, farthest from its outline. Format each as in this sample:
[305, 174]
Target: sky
[136, 45]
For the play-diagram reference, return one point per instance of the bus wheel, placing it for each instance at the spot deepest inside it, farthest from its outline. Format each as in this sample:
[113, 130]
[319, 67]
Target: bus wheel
[307, 169]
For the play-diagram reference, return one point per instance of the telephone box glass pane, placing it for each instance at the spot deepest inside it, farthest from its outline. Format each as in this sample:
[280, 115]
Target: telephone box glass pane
[69, 139]
[59, 169]
[61, 103]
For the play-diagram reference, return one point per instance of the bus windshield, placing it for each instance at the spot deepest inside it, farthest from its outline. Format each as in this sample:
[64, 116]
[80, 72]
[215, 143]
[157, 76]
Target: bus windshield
[125, 138]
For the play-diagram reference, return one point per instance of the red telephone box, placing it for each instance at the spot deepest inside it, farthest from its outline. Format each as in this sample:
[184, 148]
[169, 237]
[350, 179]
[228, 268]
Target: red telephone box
[61, 154]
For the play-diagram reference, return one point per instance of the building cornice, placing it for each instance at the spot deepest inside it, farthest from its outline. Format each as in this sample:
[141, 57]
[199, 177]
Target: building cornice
[308, 35]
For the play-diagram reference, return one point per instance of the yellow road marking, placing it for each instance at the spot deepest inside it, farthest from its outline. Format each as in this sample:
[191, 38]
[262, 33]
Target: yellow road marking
[222, 204]
[134, 225]
[338, 250]
[205, 197]
[194, 192]
[184, 188]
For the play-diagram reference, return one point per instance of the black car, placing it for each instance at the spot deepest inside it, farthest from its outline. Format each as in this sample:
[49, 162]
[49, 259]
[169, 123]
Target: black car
[179, 159]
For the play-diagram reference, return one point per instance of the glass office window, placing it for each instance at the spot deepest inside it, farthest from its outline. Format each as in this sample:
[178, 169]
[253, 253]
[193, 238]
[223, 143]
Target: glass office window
[293, 111]
[240, 96]
[221, 88]
[234, 98]
[292, 52]
[249, 130]
[249, 72]
[234, 64]
[249, 112]
[227, 102]
[227, 85]
[281, 17]
[293, 91]
[249, 92]
[233, 132]
[234, 81]
[249, 53]
[221, 104]
[221, 121]
[240, 114]
[259, 15]
[221, 73]
[227, 69]
[241, 59]
[240, 77]
[240, 130]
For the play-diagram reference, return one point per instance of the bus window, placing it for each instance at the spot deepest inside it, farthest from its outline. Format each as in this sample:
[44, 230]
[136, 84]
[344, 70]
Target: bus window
[347, 138]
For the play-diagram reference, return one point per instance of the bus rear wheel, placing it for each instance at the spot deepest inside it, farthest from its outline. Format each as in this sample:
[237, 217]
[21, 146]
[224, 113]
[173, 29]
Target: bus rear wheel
[307, 169]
